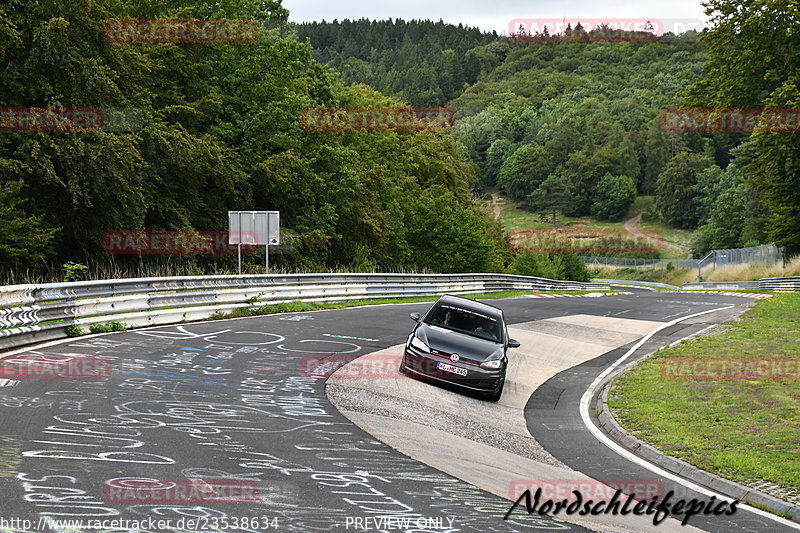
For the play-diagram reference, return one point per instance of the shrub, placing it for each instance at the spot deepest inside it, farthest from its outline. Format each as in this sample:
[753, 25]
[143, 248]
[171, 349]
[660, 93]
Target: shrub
[74, 271]
[74, 331]
[541, 265]
[574, 268]
[100, 328]
[614, 196]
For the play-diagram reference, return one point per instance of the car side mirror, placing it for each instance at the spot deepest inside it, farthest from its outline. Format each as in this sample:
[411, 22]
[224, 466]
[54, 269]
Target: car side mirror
[512, 343]
[416, 317]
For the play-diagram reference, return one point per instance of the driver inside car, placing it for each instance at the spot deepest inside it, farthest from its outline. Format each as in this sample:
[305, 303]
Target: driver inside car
[487, 327]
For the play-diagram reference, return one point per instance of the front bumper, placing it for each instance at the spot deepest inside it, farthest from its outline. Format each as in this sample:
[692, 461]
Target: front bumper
[424, 366]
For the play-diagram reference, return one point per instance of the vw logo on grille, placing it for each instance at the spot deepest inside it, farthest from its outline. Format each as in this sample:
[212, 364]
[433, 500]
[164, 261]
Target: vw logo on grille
[455, 357]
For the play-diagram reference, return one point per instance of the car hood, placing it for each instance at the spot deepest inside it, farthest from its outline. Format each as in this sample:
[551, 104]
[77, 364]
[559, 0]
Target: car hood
[449, 342]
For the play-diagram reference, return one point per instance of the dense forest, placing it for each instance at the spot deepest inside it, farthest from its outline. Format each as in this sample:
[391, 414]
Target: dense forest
[220, 132]
[560, 125]
[423, 63]
[576, 126]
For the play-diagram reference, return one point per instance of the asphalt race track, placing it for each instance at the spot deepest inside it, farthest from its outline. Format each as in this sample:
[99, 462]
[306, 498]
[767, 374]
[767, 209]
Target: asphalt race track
[233, 401]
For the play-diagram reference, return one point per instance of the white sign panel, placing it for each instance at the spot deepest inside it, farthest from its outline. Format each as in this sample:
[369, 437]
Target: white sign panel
[274, 227]
[254, 227]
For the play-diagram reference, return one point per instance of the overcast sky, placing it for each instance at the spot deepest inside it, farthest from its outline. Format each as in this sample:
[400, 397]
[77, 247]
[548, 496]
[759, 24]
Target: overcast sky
[494, 14]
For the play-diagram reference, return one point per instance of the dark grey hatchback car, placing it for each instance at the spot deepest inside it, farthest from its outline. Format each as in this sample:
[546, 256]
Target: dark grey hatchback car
[462, 342]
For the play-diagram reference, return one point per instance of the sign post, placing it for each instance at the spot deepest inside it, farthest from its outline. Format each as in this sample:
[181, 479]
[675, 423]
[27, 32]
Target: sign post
[254, 228]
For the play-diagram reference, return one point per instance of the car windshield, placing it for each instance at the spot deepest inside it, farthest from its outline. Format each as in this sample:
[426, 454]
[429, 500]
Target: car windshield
[466, 321]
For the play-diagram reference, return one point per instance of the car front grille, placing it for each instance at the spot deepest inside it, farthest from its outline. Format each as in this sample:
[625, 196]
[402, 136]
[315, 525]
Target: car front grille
[426, 366]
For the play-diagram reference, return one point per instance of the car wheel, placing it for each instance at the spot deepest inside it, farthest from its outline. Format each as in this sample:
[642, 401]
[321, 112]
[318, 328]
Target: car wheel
[495, 396]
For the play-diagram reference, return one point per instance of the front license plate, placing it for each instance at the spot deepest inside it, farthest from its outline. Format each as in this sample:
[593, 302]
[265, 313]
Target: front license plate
[452, 369]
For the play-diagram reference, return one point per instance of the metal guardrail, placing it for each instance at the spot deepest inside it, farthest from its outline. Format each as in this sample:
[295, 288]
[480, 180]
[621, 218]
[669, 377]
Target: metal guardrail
[638, 262]
[627, 282]
[789, 284]
[36, 313]
[723, 285]
[767, 255]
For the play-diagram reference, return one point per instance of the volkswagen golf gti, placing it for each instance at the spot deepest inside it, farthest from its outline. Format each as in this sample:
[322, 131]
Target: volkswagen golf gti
[462, 342]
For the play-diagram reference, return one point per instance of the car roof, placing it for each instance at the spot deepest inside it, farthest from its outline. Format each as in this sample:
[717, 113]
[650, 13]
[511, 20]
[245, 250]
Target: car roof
[473, 305]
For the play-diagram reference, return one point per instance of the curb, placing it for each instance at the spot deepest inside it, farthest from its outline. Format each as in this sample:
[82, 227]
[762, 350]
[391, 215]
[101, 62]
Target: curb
[641, 287]
[635, 283]
[755, 295]
[590, 295]
[609, 424]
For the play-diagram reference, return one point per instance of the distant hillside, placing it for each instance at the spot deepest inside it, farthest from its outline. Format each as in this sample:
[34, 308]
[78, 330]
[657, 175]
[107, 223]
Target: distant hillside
[575, 127]
[530, 73]
[424, 63]
[562, 125]
[593, 107]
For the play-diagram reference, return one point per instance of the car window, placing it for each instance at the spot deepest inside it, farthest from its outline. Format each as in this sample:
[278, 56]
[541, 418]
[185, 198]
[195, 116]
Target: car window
[466, 321]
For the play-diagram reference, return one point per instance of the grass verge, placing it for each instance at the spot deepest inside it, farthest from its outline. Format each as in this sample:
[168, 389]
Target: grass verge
[745, 428]
[668, 233]
[675, 276]
[517, 219]
[751, 272]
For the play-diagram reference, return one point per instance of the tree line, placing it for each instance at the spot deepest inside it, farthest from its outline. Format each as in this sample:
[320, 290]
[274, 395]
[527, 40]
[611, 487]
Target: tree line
[422, 62]
[571, 123]
[565, 126]
[219, 131]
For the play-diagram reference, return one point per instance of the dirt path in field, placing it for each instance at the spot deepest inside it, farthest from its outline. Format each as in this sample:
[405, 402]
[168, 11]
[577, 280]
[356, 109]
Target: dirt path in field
[630, 227]
[497, 204]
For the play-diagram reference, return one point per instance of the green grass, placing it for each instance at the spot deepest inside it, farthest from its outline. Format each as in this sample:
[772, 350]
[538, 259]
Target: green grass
[658, 275]
[668, 233]
[743, 430]
[515, 217]
[640, 205]
[658, 229]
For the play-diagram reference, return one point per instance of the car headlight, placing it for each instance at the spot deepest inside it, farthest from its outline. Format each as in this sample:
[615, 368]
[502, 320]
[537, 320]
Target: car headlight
[497, 363]
[419, 345]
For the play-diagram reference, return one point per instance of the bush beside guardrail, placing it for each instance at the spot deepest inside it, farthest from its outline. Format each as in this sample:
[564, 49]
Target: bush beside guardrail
[37, 313]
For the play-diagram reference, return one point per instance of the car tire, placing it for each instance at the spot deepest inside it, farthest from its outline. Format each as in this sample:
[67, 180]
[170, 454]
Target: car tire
[495, 396]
